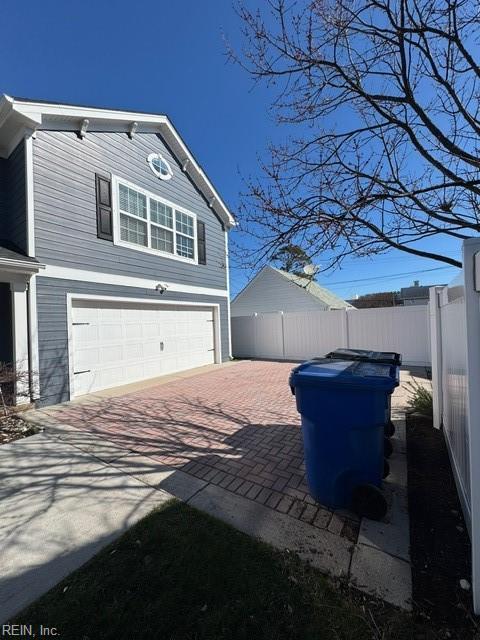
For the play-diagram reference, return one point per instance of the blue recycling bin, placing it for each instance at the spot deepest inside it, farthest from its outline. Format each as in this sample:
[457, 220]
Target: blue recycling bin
[342, 408]
[377, 357]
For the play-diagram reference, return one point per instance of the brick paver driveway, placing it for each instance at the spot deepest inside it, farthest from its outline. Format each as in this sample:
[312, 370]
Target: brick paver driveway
[236, 427]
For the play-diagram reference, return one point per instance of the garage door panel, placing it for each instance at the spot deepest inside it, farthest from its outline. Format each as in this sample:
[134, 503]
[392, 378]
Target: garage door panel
[87, 333]
[134, 351]
[133, 331]
[152, 329]
[87, 357]
[112, 353]
[110, 331]
[84, 314]
[118, 343]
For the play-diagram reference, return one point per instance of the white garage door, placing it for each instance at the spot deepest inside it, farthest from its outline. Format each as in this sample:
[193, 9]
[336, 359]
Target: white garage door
[116, 343]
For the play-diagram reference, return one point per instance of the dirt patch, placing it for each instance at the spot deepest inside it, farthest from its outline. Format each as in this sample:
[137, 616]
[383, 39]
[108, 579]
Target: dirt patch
[440, 545]
[13, 427]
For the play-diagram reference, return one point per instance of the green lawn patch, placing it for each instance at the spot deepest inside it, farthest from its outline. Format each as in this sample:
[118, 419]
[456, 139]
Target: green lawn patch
[180, 574]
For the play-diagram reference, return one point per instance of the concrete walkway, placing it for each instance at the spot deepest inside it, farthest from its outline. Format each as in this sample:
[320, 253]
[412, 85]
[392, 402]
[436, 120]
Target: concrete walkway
[66, 493]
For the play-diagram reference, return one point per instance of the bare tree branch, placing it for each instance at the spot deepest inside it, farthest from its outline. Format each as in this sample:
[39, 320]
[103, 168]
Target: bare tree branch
[386, 94]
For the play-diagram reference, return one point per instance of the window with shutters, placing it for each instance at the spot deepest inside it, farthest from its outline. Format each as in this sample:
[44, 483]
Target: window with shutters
[148, 223]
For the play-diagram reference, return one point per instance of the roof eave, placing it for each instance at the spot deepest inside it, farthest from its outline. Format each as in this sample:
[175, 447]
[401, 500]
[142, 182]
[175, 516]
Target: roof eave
[26, 267]
[19, 117]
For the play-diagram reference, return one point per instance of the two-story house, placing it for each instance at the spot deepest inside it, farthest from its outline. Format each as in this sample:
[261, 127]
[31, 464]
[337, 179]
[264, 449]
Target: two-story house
[113, 249]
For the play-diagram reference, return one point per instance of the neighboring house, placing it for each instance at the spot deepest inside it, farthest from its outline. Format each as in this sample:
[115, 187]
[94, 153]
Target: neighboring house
[275, 290]
[376, 300]
[416, 294]
[114, 258]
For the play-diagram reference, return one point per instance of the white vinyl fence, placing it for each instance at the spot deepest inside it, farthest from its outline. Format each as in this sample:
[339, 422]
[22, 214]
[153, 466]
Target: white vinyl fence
[306, 334]
[455, 331]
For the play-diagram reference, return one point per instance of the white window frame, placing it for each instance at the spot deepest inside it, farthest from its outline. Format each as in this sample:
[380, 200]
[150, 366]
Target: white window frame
[117, 240]
[158, 156]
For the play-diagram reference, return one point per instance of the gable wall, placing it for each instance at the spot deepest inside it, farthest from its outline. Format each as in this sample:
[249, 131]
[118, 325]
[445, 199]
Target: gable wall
[271, 292]
[65, 206]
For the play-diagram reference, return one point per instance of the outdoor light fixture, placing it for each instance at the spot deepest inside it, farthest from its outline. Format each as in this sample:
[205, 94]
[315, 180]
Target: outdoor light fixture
[161, 288]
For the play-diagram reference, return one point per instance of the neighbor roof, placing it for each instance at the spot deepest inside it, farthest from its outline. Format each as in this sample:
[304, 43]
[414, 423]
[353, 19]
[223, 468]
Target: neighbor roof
[314, 289]
[19, 114]
[417, 292]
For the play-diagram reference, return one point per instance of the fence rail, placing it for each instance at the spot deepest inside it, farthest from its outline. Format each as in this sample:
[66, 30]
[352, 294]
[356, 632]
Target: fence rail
[302, 335]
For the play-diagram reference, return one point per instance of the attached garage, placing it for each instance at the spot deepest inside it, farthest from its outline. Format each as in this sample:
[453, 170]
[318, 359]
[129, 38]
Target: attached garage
[116, 342]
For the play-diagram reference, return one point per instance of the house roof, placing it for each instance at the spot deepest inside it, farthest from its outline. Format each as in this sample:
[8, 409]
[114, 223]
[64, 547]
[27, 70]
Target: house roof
[416, 292]
[18, 115]
[13, 260]
[314, 289]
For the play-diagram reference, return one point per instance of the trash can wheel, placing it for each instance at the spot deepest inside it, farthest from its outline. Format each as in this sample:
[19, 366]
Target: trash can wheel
[387, 448]
[369, 502]
[386, 468]
[389, 429]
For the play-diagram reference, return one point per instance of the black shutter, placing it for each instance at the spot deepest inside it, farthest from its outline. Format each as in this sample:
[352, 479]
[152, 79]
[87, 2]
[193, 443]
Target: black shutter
[202, 249]
[104, 208]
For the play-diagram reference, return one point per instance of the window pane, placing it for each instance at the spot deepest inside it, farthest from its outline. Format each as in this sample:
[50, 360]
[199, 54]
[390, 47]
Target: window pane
[184, 223]
[162, 239]
[161, 214]
[185, 246]
[132, 230]
[132, 202]
[161, 166]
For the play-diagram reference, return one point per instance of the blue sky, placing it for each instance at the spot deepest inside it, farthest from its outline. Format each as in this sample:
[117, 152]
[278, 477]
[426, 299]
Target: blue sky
[170, 57]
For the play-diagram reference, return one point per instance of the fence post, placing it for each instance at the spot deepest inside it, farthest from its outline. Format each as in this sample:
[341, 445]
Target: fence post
[436, 354]
[345, 332]
[283, 334]
[255, 335]
[471, 271]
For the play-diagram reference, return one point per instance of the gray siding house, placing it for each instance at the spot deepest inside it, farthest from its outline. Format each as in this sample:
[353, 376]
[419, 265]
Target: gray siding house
[113, 249]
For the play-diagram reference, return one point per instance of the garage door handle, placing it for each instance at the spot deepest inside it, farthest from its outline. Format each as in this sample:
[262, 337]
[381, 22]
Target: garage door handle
[75, 373]
[80, 324]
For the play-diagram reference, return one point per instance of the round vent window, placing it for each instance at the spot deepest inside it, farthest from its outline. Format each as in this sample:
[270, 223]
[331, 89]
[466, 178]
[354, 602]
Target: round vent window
[160, 166]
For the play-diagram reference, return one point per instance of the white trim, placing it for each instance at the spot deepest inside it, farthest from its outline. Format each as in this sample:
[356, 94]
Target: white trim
[71, 297]
[116, 181]
[20, 337]
[29, 194]
[71, 369]
[33, 336]
[20, 266]
[229, 316]
[37, 115]
[81, 275]
[158, 156]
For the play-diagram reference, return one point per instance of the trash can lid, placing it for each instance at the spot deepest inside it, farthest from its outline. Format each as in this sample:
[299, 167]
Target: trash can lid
[322, 371]
[385, 357]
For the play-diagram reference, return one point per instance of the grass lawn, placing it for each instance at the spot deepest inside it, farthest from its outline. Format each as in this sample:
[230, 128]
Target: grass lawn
[180, 574]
